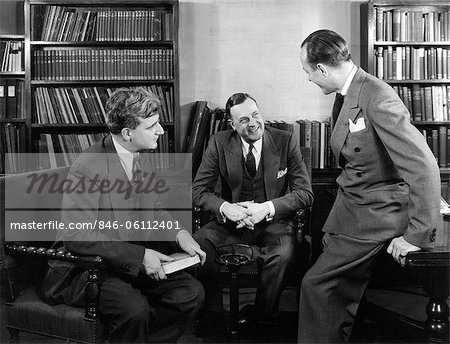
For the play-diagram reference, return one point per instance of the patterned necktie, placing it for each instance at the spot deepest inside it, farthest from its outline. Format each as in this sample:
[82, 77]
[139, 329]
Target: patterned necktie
[136, 170]
[250, 162]
[337, 106]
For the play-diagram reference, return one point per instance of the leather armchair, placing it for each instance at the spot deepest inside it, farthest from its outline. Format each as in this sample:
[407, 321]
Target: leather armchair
[23, 264]
[23, 267]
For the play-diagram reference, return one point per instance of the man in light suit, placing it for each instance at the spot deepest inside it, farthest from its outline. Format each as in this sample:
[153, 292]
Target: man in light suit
[140, 303]
[389, 189]
[263, 181]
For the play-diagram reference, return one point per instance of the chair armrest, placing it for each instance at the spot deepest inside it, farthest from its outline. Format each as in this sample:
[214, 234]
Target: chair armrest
[427, 259]
[91, 263]
[62, 254]
[302, 220]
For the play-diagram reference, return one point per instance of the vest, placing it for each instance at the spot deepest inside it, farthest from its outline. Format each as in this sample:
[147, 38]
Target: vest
[253, 189]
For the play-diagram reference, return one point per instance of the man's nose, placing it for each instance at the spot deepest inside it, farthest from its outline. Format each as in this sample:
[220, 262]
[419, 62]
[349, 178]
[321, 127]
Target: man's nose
[252, 122]
[160, 130]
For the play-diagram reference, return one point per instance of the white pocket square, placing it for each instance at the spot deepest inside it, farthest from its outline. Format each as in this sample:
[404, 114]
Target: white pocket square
[281, 173]
[358, 126]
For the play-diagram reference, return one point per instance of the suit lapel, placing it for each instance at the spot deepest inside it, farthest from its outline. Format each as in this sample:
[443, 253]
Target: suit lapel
[233, 159]
[271, 162]
[349, 111]
[121, 205]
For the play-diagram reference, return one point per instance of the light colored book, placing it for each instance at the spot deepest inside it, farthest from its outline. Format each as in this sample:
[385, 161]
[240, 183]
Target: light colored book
[445, 207]
[181, 261]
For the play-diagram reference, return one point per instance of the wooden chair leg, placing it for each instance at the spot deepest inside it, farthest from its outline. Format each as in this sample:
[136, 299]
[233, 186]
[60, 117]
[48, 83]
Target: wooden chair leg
[437, 324]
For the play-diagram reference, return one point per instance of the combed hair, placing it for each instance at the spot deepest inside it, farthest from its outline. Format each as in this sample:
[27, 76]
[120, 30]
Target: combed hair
[327, 47]
[236, 99]
[126, 107]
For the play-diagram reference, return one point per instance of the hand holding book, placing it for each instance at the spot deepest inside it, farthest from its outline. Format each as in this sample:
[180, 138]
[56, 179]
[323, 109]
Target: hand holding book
[188, 244]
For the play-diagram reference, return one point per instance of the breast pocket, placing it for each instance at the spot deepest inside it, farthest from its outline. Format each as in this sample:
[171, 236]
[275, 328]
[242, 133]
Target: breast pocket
[360, 147]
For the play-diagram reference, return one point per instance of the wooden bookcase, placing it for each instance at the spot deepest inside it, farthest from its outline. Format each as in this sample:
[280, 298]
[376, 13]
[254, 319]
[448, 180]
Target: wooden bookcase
[12, 113]
[407, 44]
[78, 51]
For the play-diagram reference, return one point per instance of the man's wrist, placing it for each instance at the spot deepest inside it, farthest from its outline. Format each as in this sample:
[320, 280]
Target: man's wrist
[271, 207]
[181, 231]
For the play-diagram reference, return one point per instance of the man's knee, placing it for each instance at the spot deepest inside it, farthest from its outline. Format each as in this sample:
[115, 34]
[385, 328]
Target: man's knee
[137, 313]
[192, 296]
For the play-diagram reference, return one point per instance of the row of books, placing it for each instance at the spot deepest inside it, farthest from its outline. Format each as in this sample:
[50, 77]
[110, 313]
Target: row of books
[12, 140]
[406, 25]
[103, 64]
[316, 135]
[438, 140]
[313, 134]
[204, 123]
[61, 23]
[426, 103]
[87, 104]
[61, 150]
[12, 98]
[404, 63]
[11, 56]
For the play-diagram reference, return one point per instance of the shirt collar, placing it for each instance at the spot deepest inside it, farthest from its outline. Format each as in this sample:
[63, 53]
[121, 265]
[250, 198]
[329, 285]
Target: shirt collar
[257, 147]
[124, 154]
[349, 81]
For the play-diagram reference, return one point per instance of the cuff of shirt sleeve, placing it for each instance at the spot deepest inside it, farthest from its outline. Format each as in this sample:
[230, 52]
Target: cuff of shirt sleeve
[220, 211]
[272, 211]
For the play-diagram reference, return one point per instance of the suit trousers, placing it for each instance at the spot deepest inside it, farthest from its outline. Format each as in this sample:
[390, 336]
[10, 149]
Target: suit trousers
[148, 311]
[332, 289]
[272, 243]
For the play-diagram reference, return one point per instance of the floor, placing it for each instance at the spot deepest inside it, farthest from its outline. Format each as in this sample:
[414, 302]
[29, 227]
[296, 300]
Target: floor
[284, 331]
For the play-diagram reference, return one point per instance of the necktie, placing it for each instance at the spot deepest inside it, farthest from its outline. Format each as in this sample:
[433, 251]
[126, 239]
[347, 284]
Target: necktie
[136, 169]
[250, 162]
[337, 106]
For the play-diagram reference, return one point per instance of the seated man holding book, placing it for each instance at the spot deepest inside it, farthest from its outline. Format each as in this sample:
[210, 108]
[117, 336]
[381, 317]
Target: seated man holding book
[114, 190]
[263, 181]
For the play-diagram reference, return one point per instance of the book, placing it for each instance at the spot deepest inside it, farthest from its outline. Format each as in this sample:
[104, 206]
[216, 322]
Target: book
[2, 98]
[181, 261]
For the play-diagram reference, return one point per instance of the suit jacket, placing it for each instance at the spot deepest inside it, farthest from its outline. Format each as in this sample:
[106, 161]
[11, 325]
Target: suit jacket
[390, 182]
[286, 180]
[95, 199]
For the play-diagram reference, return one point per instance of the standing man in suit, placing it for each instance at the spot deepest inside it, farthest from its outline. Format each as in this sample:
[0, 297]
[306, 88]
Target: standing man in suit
[140, 303]
[389, 189]
[263, 181]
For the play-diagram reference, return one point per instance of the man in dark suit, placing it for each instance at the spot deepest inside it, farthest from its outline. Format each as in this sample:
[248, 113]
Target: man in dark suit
[263, 181]
[389, 189]
[140, 303]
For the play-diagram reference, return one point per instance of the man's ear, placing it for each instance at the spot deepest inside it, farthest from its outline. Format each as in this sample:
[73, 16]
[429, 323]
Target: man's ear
[231, 124]
[126, 134]
[323, 69]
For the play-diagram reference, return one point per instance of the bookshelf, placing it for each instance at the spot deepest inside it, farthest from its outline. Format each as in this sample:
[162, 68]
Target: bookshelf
[407, 44]
[12, 113]
[77, 52]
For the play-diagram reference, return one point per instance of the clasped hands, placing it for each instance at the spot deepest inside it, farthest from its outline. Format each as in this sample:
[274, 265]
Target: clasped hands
[246, 214]
[153, 259]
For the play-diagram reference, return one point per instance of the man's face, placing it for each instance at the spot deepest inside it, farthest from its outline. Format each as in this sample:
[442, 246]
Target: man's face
[247, 121]
[315, 75]
[146, 134]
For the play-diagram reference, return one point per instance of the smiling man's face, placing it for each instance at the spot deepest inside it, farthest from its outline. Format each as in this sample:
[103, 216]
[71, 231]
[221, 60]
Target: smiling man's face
[247, 121]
